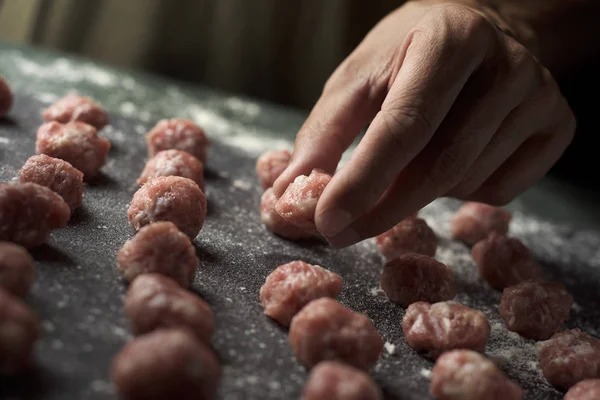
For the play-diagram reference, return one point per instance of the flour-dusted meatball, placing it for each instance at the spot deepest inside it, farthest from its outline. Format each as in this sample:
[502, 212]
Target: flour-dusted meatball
[270, 165]
[159, 248]
[28, 212]
[433, 329]
[77, 108]
[331, 380]
[504, 261]
[412, 235]
[169, 198]
[326, 330]
[155, 301]
[19, 330]
[178, 134]
[475, 221]
[16, 269]
[173, 163]
[569, 357]
[164, 365]
[57, 175]
[291, 286]
[584, 390]
[298, 203]
[6, 97]
[535, 310]
[415, 277]
[467, 375]
[275, 223]
[75, 142]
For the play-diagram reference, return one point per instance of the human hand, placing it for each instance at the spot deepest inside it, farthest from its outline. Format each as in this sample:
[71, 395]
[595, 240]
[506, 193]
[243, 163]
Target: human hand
[458, 109]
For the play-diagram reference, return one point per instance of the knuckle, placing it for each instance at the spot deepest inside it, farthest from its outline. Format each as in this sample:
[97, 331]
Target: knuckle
[522, 62]
[406, 118]
[447, 170]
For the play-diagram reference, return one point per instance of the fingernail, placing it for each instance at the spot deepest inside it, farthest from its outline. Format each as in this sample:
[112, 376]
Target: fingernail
[334, 221]
[345, 238]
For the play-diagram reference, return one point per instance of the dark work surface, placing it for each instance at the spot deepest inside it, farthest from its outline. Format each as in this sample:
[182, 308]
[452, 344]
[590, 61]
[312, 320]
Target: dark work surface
[78, 294]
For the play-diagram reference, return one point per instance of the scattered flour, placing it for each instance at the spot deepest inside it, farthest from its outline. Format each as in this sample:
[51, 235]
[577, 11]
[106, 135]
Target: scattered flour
[426, 373]
[389, 347]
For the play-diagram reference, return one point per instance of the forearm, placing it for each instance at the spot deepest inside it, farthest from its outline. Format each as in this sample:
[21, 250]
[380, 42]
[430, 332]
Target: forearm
[563, 34]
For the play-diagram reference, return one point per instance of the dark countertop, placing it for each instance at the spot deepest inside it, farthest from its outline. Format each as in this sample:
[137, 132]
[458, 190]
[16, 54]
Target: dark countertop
[78, 294]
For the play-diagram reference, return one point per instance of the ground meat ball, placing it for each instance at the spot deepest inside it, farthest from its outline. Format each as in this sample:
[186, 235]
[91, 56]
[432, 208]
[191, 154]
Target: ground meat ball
[412, 235]
[270, 165]
[76, 143]
[415, 277]
[16, 269]
[173, 163]
[28, 212]
[169, 198]
[275, 223]
[331, 380]
[475, 221]
[570, 357]
[155, 301]
[467, 375]
[535, 310]
[326, 330]
[178, 134]
[77, 108]
[6, 98]
[504, 261]
[298, 203]
[57, 175]
[436, 328]
[159, 248]
[166, 364]
[585, 390]
[291, 286]
[19, 330]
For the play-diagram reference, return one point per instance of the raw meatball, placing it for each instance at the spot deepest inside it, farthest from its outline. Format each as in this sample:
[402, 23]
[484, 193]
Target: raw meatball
[16, 269]
[331, 380]
[535, 310]
[467, 375]
[475, 221]
[19, 330]
[28, 212]
[270, 165]
[155, 301]
[166, 364]
[57, 175]
[412, 235]
[173, 163]
[436, 328]
[75, 142]
[415, 277]
[6, 98]
[178, 134]
[275, 223]
[585, 390]
[326, 330]
[77, 108]
[298, 203]
[159, 248]
[169, 198]
[291, 286]
[570, 357]
[504, 261]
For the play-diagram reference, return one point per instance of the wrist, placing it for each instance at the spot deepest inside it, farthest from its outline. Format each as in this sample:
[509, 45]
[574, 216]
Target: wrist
[509, 24]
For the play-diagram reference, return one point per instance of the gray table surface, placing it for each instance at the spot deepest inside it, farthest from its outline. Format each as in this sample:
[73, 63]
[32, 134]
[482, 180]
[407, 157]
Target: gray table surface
[78, 294]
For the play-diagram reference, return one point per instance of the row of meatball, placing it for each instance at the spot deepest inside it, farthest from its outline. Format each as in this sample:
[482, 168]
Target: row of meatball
[48, 190]
[529, 306]
[171, 356]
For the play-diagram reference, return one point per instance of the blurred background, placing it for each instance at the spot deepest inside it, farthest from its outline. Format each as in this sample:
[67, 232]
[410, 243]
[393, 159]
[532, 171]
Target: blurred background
[276, 50]
[281, 51]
